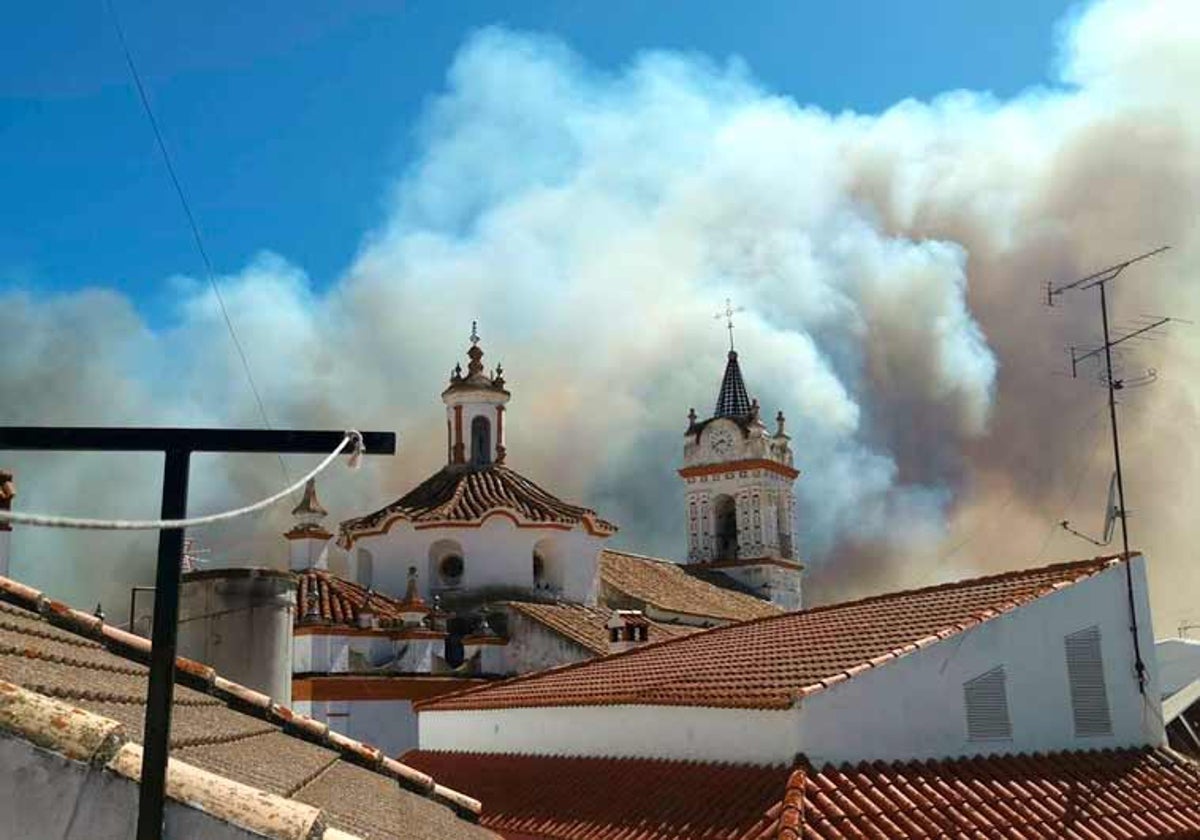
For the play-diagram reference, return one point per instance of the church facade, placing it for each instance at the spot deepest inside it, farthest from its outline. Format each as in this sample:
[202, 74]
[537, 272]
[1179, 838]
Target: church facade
[480, 573]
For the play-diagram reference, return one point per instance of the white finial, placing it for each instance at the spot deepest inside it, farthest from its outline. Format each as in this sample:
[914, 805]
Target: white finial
[728, 314]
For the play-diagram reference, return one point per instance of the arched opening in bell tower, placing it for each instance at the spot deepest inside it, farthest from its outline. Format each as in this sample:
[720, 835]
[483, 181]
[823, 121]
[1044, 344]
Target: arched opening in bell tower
[725, 531]
[481, 441]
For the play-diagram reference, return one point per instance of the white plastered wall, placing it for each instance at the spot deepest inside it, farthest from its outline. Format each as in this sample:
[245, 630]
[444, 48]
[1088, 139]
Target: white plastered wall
[337, 654]
[496, 554]
[675, 732]
[390, 725]
[913, 707]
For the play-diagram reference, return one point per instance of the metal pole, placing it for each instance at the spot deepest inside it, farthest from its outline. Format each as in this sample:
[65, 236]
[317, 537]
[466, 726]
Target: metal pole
[1139, 666]
[162, 652]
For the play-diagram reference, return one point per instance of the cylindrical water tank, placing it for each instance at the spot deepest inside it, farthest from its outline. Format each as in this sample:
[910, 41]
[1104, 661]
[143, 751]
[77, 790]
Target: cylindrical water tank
[239, 621]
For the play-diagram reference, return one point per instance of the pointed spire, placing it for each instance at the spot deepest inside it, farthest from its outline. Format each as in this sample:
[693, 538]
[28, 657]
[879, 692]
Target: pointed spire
[733, 401]
[309, 504]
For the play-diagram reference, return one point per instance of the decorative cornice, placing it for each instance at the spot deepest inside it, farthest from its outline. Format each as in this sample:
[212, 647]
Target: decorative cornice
[737, 466]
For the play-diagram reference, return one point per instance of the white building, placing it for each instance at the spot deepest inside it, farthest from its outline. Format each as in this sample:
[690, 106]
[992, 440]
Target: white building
[1031, 661]
[477, 573]
[1015, 705]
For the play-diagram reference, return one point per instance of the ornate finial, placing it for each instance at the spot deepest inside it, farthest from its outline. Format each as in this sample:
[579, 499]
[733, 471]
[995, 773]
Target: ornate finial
[754, 408]
[410, 594]
[474, 333]
[691, 417]
[779, 421]
[99, 612]
[728, 314]
[484, 629]
[312, 608]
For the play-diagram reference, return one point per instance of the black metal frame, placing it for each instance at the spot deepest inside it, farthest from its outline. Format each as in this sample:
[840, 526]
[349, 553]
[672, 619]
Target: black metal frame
[177, 445]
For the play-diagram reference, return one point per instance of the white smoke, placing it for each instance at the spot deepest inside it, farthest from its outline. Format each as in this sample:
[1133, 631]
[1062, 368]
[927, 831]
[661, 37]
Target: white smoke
[890, 264]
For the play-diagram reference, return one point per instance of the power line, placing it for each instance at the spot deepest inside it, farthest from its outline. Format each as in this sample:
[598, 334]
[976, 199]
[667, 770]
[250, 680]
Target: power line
[191, 220]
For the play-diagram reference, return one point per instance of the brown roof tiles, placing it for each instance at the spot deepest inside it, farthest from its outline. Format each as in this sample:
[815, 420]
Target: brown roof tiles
[586, 626]
[614, 799]
[1099, 795]
[339, 601]
[466, 495]
[68, 657]
[767, 663]
[1095, 795]
[667, 587]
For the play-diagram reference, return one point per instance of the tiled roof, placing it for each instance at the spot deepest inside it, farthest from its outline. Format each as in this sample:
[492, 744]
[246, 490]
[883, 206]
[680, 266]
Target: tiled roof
[586, 625]
[1100, 795]
[733, 400]
[614, 799]
[222, 727]
[668, 587]
[339, 601]
[767, 663]
[463, 494]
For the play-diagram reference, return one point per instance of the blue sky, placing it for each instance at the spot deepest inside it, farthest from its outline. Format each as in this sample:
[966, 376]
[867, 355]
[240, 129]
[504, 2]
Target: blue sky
[289, 122]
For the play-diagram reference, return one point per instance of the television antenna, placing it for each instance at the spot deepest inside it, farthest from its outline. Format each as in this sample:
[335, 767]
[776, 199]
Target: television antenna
[1099, 280]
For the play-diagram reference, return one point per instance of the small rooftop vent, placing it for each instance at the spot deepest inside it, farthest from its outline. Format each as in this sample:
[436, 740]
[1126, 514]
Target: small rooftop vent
[986, 699]
[1085, 673]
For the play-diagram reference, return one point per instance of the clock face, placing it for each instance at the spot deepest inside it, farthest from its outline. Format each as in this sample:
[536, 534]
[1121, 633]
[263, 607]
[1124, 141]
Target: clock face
[721, 441]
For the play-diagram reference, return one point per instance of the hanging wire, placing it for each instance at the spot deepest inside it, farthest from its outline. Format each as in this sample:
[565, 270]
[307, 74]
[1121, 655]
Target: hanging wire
[352, 439]
[210, 274]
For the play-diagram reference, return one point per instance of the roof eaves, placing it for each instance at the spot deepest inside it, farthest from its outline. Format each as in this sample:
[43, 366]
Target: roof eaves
[100, 742]
[955, 629]
[203, 678]
[1087, 568]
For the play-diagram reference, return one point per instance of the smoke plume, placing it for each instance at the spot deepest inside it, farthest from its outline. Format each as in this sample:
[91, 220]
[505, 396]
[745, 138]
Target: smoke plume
[892, 268]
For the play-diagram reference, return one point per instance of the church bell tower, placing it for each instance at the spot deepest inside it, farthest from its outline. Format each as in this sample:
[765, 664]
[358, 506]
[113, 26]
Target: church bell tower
[739, 500]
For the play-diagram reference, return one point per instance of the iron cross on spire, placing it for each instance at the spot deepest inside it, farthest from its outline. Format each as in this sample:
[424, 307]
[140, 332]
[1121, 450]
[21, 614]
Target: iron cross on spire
[728, 314]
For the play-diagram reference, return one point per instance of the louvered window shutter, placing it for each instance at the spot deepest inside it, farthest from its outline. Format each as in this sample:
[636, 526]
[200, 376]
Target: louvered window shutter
[987, 707]
[1085, 673]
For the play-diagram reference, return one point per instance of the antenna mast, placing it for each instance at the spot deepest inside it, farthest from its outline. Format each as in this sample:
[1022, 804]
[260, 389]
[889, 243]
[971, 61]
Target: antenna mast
[1100, 280]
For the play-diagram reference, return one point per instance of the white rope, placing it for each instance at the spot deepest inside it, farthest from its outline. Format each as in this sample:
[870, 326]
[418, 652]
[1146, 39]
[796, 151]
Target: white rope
[352, 438]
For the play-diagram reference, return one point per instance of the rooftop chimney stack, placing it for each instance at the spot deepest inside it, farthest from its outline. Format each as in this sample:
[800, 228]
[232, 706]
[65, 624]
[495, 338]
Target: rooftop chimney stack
[8, 491]
[626, 630]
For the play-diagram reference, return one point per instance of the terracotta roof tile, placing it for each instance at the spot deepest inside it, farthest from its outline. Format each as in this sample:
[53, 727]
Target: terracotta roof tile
[216, 725]
[1108, 794]
[1131, 793]
[586, 626]
[459, 494]
[769, 662]
[611, 799]
[667, 587]
[339, 601]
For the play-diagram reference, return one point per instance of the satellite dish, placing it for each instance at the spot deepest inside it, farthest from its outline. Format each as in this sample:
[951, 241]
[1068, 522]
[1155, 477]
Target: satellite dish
[1111, 510]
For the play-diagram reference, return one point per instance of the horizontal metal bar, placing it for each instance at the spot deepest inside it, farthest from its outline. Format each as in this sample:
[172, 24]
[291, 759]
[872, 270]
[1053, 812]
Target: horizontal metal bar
[126, 439]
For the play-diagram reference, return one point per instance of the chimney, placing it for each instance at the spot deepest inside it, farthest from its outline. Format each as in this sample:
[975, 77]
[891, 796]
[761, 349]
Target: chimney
[626, 630]
[8, 491]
